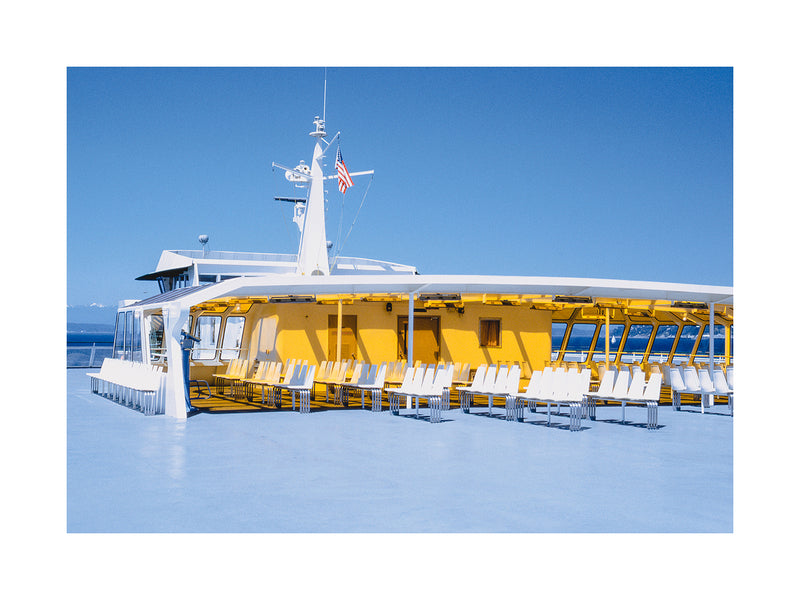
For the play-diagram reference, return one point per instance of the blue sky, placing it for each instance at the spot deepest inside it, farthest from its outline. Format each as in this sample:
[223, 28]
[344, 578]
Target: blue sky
[583, 172]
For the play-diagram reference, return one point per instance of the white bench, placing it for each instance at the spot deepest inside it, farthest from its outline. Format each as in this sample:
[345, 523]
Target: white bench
[133, 384]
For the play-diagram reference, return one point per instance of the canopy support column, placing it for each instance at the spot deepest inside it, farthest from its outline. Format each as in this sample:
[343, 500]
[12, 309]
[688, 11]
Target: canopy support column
[176, 318]
[339, 332]
[608, 327]
[410, 339]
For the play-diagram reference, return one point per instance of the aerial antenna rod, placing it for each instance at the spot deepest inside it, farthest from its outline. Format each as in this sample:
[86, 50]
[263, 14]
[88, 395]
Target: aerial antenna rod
[325, 94]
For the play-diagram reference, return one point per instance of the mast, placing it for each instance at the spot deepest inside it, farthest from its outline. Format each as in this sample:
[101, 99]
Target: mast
[312, 257]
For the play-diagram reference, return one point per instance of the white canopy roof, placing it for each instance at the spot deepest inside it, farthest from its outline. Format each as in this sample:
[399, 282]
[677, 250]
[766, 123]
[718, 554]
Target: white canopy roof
[282, 285]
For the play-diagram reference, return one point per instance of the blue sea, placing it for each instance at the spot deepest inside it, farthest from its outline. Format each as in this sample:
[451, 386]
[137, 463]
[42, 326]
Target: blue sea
[88, 345]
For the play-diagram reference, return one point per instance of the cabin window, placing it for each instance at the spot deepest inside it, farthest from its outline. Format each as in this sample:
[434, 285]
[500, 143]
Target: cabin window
[119, 335]
[663, 342]
[128, 334]
[137, 338]
[557, 337]
[731, 342]
[490, 333]
[686, 343]
[636, 343]
[580, 340]
[615, 332]
[349, 332]
[207, 330]
[232, 340]
[155, 336]
[719, 342]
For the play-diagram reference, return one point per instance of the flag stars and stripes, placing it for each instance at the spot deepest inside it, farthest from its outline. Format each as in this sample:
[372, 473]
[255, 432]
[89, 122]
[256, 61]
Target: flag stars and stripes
[341, 173]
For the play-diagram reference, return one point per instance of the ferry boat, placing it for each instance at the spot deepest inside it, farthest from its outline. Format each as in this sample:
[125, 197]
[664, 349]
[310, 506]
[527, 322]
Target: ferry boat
[318, 307]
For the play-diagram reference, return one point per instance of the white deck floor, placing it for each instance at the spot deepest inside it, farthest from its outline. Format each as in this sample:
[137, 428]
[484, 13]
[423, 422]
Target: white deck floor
[355, 471]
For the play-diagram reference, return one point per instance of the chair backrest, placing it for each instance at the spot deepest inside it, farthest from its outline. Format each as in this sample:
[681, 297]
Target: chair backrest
[407, 379]
[260, 370]
[676, 379]
[691, 379]
[512, 383]
[340, 374]
[636, 388]
[720, 385]
[729, 375]
[546, 383]
[290, 368]
[665, 371]
[443, 378]
[448, 376]
[427, 382]
[621, 384]
[368, 375]
[499, 386]
[380, 377]
[274, 373]
[705, 381]
[607, 383]
[488, 379]
[299, 375]
[308, 383]
[533, 384]
[580, 385]
[559, 385]
[480, 375]
[400, 369]
[653, 389]
[416, 382]
[356, 373]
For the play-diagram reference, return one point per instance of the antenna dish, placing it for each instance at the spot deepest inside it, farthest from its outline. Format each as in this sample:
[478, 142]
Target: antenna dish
[295, 177]
[203, 239]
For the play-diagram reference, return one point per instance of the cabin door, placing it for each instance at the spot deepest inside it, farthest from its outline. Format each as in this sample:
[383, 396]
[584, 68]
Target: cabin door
[426, 339]
[349, 331]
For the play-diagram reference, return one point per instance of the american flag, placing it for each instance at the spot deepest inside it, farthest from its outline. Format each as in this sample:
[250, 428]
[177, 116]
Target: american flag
[341, 173]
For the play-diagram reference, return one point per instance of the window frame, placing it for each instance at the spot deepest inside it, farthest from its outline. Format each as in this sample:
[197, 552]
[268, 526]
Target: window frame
[483, 333]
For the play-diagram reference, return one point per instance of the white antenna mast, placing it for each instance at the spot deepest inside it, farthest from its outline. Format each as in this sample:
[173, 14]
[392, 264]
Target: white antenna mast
[325, 94]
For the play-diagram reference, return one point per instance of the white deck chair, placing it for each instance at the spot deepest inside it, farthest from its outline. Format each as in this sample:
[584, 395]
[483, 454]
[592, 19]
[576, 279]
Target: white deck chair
[649, 397]
[437, 391]
[412, 386]
[482, 387]
[374, 385]
[721, 388]
[692, 382]
[498, 388]
[514, 409]
[304, 389]
[463, 398]
[340, 394]
[707, 387]
[395, 393]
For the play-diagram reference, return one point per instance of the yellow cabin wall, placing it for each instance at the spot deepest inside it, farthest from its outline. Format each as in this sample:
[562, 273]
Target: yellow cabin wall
[302, 332]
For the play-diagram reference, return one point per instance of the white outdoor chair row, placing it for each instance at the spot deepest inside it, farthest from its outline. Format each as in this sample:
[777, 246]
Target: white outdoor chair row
[621, 387]
[298, 379]
[699, 382]
[268, 373]
[557, 387]
[492, 381]
[430, 382]
[133, 384]
[236, 372]
[365, 378]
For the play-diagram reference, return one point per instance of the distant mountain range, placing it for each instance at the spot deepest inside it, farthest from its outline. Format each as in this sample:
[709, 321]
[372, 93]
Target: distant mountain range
[91, 314]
